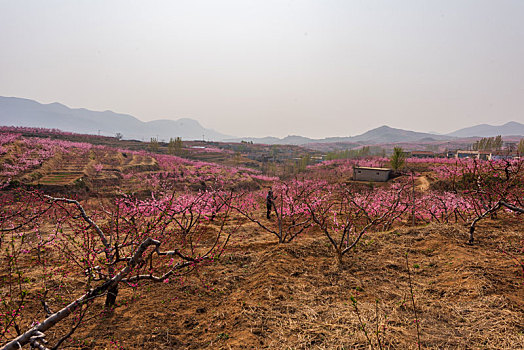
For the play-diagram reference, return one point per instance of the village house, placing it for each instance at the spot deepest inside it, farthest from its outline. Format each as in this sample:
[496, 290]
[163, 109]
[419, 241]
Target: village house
[422, 154]
[484, 155]
[504, 154]
[451, 154]
[371, 174]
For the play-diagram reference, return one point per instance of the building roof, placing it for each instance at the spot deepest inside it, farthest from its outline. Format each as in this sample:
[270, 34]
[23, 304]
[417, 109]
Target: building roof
[504, 153]
[422, 152]
[371, 168]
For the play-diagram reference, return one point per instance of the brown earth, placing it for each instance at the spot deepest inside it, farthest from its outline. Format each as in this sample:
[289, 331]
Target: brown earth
[65, 172]
[295, 296]
[422, 183]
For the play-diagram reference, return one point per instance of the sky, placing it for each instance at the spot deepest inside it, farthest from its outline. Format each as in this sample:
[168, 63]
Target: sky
[257, 68]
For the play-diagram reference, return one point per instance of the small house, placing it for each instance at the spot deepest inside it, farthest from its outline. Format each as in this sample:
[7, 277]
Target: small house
[466, 154]
[504, 154]
[484, 155]
[371, 174]
[422, 154]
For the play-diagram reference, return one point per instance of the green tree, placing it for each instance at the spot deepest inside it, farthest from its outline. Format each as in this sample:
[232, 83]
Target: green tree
[520, 147]
[153, 145]
[349, 154]
[398, 158]
[175, 146]
[497, 143]
[303, 162]
[488, 144]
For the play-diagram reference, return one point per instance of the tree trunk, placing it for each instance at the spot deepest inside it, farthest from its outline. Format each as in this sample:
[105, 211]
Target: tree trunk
[339, 258]
[112, 293]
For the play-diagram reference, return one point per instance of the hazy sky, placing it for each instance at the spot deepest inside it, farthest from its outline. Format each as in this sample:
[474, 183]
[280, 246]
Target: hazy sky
[256, 68]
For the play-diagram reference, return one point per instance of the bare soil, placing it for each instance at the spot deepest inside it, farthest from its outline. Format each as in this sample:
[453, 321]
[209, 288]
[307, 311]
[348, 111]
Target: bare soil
[422, 183]
[295, 296]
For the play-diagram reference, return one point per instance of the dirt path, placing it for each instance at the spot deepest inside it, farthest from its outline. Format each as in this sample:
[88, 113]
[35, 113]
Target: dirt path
[422, 183]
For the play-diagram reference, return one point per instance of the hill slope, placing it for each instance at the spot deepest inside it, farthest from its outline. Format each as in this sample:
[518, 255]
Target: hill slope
[23, 112]
[486, 130]
[383, 134]
[268, 296]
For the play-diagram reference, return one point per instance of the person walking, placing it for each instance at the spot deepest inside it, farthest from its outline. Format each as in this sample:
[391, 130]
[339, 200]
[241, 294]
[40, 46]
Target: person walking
[270, 203]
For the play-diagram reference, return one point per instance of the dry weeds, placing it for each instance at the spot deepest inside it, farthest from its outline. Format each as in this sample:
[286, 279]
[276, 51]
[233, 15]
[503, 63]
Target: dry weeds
[295, 296]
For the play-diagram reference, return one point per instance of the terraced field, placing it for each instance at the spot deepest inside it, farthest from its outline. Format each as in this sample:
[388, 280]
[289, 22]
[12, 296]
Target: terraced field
[71, 168]
[110, 170]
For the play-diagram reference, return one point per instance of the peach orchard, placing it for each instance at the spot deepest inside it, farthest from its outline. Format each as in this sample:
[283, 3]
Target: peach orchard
[60, 254]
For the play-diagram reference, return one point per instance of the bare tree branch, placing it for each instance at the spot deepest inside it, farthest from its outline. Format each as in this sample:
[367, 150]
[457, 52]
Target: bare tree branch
[52, 320]
[490, 211]
[84, 215]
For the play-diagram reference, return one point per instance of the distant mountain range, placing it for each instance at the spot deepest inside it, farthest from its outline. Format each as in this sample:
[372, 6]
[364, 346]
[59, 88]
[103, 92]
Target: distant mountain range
[24, 112]
[485, 130]
[386, 134]
[383, 134]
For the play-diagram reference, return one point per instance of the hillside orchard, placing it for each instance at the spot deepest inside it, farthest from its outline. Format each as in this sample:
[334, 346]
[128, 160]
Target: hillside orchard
[103, 236]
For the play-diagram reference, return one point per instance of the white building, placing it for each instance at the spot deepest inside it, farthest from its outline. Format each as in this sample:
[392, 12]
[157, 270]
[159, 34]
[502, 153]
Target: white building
[371, 174]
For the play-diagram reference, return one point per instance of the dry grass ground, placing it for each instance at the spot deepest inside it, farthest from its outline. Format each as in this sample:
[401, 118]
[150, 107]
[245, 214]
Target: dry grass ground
[295, 296]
